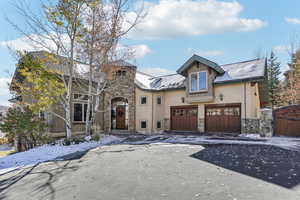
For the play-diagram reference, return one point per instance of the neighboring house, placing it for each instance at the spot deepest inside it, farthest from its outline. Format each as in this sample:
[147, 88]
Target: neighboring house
[3, 111]
[202, 97]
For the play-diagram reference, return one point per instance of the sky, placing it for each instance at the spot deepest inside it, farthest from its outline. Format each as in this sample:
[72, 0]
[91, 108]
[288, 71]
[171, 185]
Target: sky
[224, 31]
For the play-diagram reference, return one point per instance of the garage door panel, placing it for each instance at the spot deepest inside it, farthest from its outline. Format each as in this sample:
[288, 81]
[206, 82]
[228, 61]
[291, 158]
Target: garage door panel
[223, 118]
[184, 118]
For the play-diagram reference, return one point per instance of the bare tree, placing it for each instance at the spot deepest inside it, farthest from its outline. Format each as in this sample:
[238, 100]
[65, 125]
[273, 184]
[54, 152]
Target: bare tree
[56, 29]
[100, 44]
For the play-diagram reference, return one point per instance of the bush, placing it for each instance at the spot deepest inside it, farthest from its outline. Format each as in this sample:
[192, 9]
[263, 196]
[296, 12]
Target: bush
[74, 140]
[23, 126]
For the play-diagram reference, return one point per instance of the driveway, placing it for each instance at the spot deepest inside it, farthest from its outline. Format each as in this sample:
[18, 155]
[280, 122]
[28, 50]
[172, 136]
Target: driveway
[162, 171]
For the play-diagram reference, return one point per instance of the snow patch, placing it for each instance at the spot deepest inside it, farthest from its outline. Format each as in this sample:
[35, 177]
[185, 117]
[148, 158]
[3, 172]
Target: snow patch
[50, 152]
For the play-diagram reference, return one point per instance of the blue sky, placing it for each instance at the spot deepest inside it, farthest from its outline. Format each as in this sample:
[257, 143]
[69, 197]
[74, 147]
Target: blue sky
[224, 31]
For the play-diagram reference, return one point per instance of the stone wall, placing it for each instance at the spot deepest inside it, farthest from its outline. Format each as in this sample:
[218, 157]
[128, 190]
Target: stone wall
[120, 86]
[266, 123]
[250, 126]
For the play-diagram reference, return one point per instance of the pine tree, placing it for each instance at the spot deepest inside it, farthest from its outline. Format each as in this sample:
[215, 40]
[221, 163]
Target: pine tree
[273, 81]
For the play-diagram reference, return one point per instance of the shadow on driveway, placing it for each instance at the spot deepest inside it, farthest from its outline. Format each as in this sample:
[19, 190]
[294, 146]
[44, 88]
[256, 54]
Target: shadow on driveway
[11, 178]
[268, 163]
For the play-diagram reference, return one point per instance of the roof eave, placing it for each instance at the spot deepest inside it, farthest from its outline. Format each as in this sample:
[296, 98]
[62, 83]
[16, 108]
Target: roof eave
[202, 60]
[257, 78]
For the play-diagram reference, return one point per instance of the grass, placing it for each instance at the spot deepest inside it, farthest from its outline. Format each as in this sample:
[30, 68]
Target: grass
[7, 153]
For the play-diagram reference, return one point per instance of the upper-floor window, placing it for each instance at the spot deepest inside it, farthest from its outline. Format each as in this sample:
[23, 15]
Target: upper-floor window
[198, 81]
[143, 100]
[121, 73]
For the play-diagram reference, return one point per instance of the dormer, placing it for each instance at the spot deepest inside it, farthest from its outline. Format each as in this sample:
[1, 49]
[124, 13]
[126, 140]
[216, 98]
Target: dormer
[200, 74]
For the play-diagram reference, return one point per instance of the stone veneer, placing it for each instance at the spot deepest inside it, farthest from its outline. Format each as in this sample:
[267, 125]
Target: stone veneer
[250, 125]
[120, 86]
[266, 123]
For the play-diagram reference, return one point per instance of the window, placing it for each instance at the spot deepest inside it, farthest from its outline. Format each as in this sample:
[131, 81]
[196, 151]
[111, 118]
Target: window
[80, 110]
[120, 73]
[143, 124]
[80, 97]
[198, 81]
[158, 124]
[143, 100]
[159, 100]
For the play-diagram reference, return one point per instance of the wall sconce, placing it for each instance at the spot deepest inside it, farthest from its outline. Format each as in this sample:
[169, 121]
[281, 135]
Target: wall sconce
[221, 96]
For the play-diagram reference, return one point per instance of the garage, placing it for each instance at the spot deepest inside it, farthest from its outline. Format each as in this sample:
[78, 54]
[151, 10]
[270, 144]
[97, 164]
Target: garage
[287, 121]
[223, 118]
[184, 118]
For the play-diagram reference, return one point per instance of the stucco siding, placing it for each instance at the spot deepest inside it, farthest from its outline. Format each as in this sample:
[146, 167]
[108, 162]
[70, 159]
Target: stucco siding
[244, 93]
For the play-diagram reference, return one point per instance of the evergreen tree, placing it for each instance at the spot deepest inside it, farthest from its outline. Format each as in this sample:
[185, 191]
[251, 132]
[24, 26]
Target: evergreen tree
[273, 80]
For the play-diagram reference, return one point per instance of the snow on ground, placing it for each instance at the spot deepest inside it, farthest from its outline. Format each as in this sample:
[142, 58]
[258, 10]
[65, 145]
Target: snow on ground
[282, 142]
[50, 152]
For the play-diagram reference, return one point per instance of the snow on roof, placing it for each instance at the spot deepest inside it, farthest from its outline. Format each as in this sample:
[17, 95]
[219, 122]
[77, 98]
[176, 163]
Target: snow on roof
[149, 82]
[242, 70]
[143, 80]
[233, 72]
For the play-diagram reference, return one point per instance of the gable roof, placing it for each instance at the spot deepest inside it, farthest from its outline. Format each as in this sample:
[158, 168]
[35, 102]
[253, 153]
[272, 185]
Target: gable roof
[196, 58]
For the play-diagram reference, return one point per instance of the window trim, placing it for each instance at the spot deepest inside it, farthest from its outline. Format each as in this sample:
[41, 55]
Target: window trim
[141, 100]
[198, 82]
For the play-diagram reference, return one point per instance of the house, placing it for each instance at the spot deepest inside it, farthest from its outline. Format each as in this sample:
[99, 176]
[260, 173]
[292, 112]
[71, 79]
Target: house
[202, 96]
[3, 111]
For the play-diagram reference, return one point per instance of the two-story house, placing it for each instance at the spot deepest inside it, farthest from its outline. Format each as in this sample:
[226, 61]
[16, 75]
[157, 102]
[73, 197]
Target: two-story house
[202, 97]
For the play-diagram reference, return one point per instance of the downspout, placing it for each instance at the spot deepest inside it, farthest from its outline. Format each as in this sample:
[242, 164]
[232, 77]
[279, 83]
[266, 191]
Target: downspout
[245, 105]
[152, 130]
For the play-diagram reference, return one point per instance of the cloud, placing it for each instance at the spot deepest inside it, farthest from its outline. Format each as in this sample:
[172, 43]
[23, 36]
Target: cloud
[292, 20]
[4, 91]
[173, 18]
[209, 53]
[26, 44]
[141, 51]
[281, 49]
[156, 71]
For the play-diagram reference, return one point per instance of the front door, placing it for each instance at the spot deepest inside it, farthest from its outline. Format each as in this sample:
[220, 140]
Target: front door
[120, 118]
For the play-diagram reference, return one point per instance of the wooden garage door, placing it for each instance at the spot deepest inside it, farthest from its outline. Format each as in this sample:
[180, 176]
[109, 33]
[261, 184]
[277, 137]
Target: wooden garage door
[184, 118]
[223, 118]
[287, 121]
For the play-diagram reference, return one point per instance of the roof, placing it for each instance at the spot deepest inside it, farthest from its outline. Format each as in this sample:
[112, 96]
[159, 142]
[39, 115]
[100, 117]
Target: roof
[148, 82]
[241, 71]
[4, 108]
[236, 72]
[196, 58]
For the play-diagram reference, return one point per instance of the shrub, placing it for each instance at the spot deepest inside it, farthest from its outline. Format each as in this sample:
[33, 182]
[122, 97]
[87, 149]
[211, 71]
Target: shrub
[22, 125]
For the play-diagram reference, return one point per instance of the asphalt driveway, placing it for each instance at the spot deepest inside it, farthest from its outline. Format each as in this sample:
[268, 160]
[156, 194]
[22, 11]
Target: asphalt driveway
[162, 171]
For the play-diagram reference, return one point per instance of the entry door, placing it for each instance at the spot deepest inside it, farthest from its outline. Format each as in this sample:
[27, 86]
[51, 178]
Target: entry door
[120, 118]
